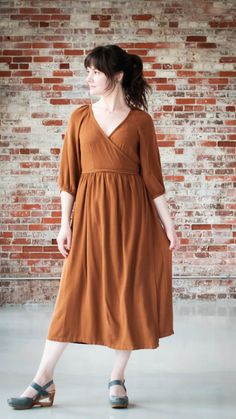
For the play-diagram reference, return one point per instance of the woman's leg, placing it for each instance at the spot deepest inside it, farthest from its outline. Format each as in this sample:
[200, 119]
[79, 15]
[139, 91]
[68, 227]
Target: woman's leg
[118, 372]
[51, 354]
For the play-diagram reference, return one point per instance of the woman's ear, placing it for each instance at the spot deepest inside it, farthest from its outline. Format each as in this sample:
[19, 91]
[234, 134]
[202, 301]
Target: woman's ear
[119, 76]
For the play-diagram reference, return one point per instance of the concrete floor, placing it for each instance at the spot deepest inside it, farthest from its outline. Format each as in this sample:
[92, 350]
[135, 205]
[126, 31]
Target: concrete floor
[191, 375]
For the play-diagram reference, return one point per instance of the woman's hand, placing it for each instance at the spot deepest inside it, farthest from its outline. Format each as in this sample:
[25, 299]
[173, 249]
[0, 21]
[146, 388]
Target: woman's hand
[64, 239]
[163, 211]
[171, 234]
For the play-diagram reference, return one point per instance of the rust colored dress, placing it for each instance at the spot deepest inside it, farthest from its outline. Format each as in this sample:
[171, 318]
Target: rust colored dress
[116, 283]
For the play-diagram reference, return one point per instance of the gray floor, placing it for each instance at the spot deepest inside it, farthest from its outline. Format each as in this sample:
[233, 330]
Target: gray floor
[191, 375]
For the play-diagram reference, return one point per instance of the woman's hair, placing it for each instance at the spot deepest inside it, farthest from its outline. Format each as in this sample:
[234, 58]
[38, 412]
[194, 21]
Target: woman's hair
[111, 59]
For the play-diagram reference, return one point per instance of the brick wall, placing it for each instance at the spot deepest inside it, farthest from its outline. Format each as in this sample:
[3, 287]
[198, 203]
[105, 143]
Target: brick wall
[189, 58]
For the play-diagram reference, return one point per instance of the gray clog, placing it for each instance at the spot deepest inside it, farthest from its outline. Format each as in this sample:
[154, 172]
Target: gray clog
[118, 401]
[43, 398]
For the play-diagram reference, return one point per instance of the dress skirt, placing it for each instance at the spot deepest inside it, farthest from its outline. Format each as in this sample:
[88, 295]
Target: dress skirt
[116, 283]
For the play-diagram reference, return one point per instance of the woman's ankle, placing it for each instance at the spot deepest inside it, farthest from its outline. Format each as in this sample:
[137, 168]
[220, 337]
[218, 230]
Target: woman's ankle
[117, 377]
[43, 378]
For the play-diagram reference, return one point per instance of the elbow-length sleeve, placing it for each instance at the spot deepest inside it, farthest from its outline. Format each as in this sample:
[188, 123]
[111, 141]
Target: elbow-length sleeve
[70, 163]
[150, 160]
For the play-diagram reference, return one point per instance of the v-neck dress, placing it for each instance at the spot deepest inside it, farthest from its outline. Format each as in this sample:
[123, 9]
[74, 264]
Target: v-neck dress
[116, 283]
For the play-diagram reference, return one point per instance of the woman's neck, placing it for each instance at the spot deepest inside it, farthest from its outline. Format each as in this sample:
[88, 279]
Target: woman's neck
[113, 104]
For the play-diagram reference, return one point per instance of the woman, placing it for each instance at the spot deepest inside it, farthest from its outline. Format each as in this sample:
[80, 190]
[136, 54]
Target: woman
[116, 285]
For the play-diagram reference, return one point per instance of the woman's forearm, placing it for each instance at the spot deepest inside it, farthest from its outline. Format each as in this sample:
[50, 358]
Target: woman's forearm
[163, 211]
[67, 201]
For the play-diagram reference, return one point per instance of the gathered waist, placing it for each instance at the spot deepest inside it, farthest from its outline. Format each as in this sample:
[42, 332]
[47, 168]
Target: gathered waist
[118, 171]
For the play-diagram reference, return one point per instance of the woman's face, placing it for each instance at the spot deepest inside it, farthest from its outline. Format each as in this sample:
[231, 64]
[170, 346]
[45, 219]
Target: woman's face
[97, 81]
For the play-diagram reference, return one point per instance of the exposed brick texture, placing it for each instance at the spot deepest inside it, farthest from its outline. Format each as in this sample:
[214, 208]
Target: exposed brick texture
[189, 58]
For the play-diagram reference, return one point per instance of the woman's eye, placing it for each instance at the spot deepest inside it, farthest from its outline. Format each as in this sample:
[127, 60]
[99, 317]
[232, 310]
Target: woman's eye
[87, 71]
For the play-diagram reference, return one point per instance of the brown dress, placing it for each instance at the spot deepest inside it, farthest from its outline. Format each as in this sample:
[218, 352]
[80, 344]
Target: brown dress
[116, 283]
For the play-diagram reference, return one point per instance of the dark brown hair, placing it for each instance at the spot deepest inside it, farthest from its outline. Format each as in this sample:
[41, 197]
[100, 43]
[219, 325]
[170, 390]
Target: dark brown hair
[110, 59]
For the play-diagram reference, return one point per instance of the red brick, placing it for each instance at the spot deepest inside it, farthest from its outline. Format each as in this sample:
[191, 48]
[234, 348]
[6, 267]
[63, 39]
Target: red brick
[206, 45]
[73, 52]
[64, 65]
[211, 101]
[215, 24]
[28, 10]
[40, 45]
[31, 80]
[63, 73]
[21, 129]
[197, 80]
[165, 87]
[100, 17]
[5, 59]
[39, 115]
[227, 60]
[230, 122]
[43, 59]
[50, 248]
[51, 220]
[33, 249]
[175, 178]
[53, 80]
[208, 143]
[51, 122]
[227, 73]
[185, 101]
[44, 24]
[40, 17]
[12, 52]
[62, 45]
[31, 206]
[142, 17]
[217, 81]
[38, 227]
[226, 144]
[201, 227]
[167, 144]
[196, 38]
[60, 101]
[22, 59]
